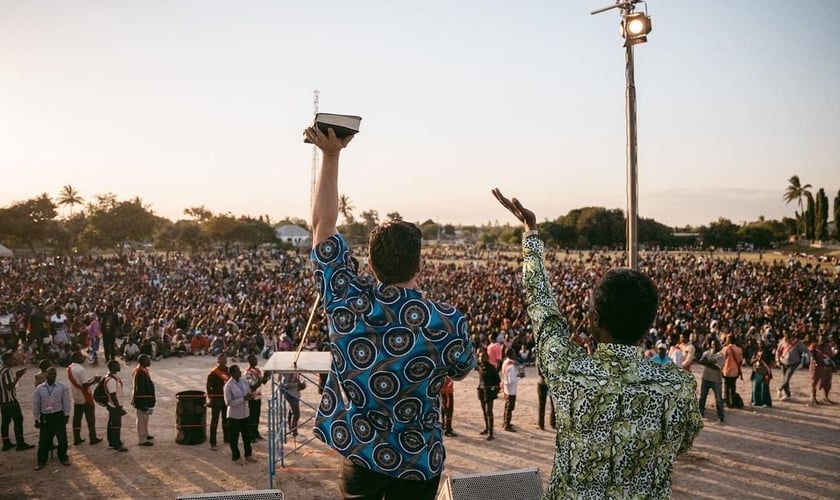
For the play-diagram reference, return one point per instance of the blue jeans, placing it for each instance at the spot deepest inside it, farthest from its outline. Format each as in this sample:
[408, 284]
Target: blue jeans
[705, 385]
[787, 373]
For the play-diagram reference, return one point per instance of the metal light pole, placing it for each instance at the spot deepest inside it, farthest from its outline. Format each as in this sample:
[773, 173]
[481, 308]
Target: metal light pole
[632, 166]
[634, 28]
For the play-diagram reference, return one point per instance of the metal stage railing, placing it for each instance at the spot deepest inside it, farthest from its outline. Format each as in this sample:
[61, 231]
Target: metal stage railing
[309, 365]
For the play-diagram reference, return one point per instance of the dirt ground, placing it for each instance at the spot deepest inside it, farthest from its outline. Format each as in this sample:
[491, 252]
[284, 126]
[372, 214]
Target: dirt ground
[788, 451]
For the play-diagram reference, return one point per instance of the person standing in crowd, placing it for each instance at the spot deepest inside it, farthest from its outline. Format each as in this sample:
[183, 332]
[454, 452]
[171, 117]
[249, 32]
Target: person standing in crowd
[821, 368]
[392, 348]
[10, 411]
[675, 353]
[51, 410]
[143, 399]
[660, 420]
[41, 376]
[35, 326]
[688, 351]
[113, 386]
[510, 385]
[93, 332]
[447, 406]
[789, 356]
[58, 326]
[109, 324]
[542, 395]
[292, 385]
[256, 379]
[237, 393]
[712, 361]
[761, 376]
[83, 405]
[489, 385]
[733, 357]
[661, 356]
[216, 380]
[496, 352]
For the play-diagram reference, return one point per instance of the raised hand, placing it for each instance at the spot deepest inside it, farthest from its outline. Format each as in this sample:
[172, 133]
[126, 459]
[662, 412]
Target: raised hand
[513, 205]
[328, 143]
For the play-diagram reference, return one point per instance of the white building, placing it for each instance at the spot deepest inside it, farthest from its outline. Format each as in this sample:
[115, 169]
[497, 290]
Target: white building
[293, 234]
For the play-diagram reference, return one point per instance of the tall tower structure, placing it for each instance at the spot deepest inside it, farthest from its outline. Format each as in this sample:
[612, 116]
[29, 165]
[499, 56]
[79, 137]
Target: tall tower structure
[315, 97]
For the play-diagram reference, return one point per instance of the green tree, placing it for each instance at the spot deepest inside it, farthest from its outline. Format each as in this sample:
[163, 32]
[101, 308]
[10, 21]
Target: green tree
[394, 216]
[654, 233]
[837, 216]
[370, 219]
[810, 216]
[345, 208]
[222, 228]
[113, 224]
[430, 230]
[200, 214]
[795, 192]
[294, 221]
[601, 227]
[254, 232]
[821, 216]
[759, 235]
[69, 197]
[188, 234]
[28, 223]
[720, 234]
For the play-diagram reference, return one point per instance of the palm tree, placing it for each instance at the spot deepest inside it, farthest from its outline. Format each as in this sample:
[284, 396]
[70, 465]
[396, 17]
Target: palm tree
[796, 191]
[69, 196]
[345, 206]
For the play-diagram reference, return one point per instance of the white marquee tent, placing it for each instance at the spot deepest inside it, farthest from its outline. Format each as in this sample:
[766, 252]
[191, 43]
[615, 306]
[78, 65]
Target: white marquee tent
[5, 252]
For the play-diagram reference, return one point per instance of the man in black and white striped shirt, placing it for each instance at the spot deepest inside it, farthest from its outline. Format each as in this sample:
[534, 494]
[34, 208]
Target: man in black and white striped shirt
[9, 406]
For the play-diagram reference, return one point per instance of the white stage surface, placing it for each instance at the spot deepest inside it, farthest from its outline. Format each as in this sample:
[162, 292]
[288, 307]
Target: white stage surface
[308, 362]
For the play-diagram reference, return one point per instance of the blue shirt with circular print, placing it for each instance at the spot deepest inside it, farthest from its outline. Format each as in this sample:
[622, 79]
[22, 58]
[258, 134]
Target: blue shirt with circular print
[391, 349]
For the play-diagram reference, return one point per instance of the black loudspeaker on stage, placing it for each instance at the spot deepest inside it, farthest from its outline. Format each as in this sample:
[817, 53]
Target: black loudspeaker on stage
[236, 495]
[522, 484]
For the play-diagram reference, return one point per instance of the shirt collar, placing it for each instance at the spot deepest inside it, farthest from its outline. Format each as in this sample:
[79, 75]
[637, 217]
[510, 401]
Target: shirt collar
[620, 356]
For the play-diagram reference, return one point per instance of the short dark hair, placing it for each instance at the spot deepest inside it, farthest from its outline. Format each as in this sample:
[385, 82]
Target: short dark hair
[626, 301]
[394, 250]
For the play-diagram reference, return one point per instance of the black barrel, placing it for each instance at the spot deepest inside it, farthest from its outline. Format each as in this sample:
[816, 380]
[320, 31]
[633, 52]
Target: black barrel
[191, 417]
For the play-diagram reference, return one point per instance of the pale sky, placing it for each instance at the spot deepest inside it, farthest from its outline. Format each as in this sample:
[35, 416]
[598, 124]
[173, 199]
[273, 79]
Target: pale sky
[200, 102]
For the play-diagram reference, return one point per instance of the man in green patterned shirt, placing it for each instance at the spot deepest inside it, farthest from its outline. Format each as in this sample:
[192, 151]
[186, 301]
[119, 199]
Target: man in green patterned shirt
[621, 420]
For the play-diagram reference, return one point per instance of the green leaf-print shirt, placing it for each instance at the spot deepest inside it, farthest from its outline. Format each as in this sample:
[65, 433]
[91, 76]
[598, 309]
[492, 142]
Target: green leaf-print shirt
[621, 420]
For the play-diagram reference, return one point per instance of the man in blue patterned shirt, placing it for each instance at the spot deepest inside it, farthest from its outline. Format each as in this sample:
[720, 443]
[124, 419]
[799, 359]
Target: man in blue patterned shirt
[621, 420]
[392, 349]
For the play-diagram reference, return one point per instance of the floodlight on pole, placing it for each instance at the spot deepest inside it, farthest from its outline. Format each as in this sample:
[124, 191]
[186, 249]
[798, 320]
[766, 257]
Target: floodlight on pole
[635, 27]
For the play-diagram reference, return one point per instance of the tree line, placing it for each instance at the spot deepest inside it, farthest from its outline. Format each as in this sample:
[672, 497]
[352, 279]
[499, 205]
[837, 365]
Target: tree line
[109, 224]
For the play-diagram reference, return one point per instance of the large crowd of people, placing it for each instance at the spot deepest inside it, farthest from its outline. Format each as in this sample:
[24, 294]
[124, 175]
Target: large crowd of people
[259, 301]
[256, 302]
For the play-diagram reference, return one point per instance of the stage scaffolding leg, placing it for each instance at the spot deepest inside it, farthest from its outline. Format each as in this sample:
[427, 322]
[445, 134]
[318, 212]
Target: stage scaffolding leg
[276, 427]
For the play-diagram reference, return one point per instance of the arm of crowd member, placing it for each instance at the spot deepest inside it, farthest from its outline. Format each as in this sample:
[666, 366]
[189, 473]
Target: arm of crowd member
[66, 404]
[36, 408]
[325, 201]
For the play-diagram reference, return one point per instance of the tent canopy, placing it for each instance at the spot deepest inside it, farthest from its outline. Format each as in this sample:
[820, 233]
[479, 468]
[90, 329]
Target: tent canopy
[5, 252]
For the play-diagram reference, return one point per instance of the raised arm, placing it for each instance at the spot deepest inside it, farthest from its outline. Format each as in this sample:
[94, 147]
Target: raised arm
[325, 202]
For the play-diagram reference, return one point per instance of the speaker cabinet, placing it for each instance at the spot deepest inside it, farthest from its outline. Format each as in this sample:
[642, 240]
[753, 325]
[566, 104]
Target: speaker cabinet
[522, 484]
[236, 495]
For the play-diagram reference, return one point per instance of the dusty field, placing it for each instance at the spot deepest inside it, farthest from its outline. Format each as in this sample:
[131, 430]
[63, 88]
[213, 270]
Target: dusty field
[789, 451]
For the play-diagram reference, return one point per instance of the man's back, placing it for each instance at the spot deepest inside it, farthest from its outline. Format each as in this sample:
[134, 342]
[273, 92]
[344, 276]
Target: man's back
[392, 350]
[621, 420]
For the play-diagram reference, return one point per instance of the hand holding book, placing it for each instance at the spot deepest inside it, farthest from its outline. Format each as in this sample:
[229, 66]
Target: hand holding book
[343, 126]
